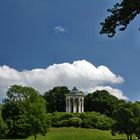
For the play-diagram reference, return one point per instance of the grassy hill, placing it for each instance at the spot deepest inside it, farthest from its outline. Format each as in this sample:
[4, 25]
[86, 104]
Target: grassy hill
[78, 134]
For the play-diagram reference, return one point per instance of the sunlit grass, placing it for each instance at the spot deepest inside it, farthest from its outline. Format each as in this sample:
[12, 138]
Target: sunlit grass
[78, 134]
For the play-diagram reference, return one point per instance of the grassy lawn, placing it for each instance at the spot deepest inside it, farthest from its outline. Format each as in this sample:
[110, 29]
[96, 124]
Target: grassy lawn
[78, 134]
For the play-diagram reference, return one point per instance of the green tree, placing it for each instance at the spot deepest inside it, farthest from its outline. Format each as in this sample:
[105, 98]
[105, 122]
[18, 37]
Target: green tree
[24, 111]
[56, 100]
[37, 118]
[101, 101]
[137, 104]
[126, 117]
[16, 120]
[121, 15]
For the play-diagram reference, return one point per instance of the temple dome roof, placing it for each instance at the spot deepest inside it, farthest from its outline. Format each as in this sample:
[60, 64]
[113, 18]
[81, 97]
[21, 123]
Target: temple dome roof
[75, 91]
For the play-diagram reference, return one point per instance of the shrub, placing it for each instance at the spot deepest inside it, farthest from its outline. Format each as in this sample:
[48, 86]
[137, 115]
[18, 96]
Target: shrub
[85, 120]
[75, 121]
[88, 123]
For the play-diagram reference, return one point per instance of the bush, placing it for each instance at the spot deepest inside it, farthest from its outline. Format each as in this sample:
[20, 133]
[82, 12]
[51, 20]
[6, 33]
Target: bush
[75, 121]
[88, 123]
[85, 120]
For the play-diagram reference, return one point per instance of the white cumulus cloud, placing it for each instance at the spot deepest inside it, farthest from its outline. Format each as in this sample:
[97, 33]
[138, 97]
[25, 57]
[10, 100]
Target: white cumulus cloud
[113, 91]
[59, 29]
[82, 74]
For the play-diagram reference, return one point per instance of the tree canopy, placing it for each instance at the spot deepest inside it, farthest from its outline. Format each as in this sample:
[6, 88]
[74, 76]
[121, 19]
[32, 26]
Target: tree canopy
[101, 101]
[24, 112]
[56, 100]
[127, 119]
[121, 15]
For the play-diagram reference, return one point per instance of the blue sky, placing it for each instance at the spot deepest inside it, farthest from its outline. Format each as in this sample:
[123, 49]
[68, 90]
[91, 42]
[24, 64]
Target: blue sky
[39, 33]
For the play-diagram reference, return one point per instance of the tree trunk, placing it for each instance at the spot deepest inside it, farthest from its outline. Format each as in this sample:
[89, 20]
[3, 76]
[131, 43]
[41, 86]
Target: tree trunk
[127, 137]
[34, 134]
[131, 137]
[35, 137]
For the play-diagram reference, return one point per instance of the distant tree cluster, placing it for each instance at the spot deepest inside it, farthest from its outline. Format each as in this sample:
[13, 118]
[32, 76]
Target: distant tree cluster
[101, 101]
[55, 99]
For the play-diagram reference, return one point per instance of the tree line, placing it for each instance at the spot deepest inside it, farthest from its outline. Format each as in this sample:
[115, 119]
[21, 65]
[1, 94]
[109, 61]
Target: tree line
[25, 112]
[101, 101]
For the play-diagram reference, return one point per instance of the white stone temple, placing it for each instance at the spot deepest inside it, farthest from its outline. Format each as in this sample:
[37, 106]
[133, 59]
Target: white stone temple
[75, 101]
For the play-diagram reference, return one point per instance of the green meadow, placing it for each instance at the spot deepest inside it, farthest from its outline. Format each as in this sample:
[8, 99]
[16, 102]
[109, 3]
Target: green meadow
[78, 134]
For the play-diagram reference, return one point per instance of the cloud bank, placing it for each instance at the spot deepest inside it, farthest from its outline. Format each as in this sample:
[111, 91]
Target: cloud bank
[82, 74]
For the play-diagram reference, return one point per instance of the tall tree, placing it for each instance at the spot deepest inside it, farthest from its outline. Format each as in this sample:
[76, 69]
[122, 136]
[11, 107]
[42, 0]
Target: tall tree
[121, 15]
[126, 118]
[101, 101]
[24, 111]
[137, 104]
[56, 100]
[37, 118]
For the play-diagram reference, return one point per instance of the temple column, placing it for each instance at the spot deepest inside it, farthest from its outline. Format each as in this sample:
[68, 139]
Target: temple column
[82, 105]
[68, 108]
[66, 105]
[74, 105]
[79, 105]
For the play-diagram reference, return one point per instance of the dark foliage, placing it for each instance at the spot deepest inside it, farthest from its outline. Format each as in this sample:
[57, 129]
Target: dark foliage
[3, 126]
[56, 100]
[101, 101]
[127, 119]
[24, 112]
[121, 15]
[84, 120]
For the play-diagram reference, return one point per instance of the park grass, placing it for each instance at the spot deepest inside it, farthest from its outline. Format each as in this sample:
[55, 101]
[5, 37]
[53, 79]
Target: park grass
[78, 134]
